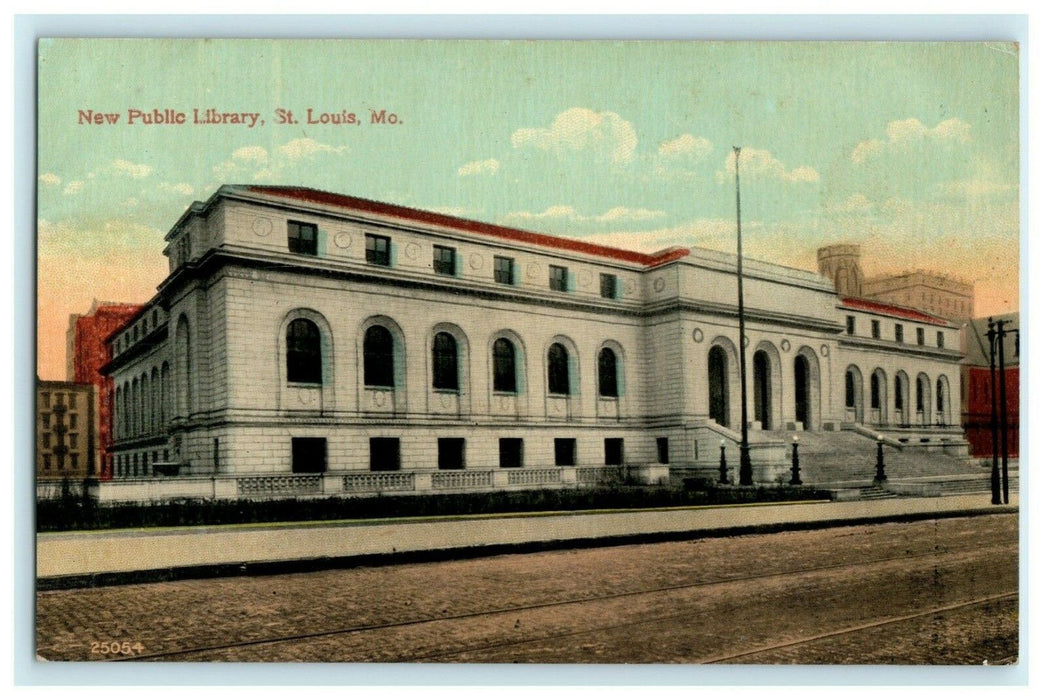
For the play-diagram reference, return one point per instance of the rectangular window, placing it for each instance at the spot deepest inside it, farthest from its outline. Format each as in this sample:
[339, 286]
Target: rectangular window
[920, 336]
[940, 339]
[444, 260]
[613, 451]
[74, 461]
[302, 238]
[47, 440]
[663, 455]
[898, 332]
[559, 278]
[564, 452]
[46, 399]
[47, 462]
[309, 455]
[608, 283]
[511, 453]
[450, 453]
[72, 420]
[876, 330]
[46, 420]
[377, 250]
[503, 269]
[72, 440]
[851, 325]
[384, 454]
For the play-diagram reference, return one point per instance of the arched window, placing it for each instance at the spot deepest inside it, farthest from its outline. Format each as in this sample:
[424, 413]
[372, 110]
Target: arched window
[304, 352]
[898, 393]
[446, 362]
[379, 357]
[851, 391]
[876, 391]
[940, 396]
[558, 369]
[608, 379]
[504, 370]
[920, 396]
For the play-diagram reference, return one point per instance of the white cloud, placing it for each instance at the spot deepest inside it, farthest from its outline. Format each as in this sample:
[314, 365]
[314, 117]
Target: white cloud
[74, 187]
[757, 164]
[253, 154]
[973, 189]
[903, 132]
[50, 179]
[685, 146]
[183, 188]
[451, 211]
[480, 167]
[134, 170]
[606, 135]
[568, 213]
[297, 149]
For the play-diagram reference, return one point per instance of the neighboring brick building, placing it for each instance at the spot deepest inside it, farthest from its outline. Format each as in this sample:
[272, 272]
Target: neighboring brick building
[66, 431]
[301, 331]
[977, 388]
[87, 352]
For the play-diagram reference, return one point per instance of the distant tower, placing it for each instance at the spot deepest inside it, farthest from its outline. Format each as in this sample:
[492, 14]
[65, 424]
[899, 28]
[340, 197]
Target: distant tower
[841, 264]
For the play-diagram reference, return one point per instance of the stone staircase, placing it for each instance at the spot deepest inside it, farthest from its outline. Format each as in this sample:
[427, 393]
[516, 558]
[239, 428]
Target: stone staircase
[845, 458]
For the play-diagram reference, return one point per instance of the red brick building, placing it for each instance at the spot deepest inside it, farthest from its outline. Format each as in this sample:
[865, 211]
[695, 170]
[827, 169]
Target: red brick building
[87, 351]
[977, 387]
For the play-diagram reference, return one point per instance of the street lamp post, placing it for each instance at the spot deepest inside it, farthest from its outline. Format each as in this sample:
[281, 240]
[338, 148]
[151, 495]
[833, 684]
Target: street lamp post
[745, 450]
[723, 469]
[1003, 422]
[996, 497]
[880, 464]
[796, 479]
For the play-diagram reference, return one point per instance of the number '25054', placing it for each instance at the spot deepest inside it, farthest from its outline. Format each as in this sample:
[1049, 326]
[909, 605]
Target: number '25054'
[115, 647]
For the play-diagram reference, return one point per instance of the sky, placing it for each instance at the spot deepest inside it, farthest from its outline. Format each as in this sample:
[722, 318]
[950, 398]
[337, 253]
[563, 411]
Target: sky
[909, 149]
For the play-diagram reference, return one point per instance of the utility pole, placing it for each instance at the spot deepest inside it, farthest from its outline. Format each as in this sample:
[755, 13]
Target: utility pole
[1004, 423]
[996, 495]
[745, 450]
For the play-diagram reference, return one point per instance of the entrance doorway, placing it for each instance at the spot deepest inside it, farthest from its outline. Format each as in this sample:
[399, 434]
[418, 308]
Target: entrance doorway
[763, 390]
[717, 386]
[802, 415]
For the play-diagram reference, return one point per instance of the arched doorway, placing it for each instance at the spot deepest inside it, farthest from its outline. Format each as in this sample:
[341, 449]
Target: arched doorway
[763, 391]
[802, 398]
[717, 386]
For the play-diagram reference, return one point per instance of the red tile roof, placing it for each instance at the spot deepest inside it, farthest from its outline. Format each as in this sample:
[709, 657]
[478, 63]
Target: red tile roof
[891, 310]
[307, 194]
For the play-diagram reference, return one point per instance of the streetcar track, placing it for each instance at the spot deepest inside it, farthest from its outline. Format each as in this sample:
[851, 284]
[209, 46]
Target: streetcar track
[547, 605]
[861, 628]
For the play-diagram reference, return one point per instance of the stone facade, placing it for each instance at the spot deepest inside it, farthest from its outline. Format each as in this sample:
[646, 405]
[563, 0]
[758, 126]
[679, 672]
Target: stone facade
[301, 331]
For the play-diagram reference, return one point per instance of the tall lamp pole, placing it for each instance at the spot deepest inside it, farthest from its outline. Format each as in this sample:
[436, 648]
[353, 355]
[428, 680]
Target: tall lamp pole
[1004, 424]
[745, 450]
[996, 497]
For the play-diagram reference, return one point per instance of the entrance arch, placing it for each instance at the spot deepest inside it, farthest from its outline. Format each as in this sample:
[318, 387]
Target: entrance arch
[763, 390]
[718, 386]
[807, 388]
[854, 395]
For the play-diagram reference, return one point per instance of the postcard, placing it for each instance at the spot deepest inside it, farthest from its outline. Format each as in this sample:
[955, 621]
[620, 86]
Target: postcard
[544, 352]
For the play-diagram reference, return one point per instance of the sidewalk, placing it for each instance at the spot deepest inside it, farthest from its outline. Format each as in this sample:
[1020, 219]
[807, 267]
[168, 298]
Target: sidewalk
[122, 556]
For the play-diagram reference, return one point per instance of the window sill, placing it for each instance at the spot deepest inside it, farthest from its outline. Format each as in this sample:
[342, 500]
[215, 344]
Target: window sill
[504, 393]
[379, 387]
[305, 385]
[450, 392]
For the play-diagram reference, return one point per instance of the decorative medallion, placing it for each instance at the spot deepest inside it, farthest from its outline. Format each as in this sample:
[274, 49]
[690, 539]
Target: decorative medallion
[304, 396]
[533, 271]
[698, 335]
[412, 251]
[785, 345]
[747, 341]
[628, 288]
[504, 403]
[584, 279]
[556, 407]
[659, 284]
[824, 350]
[475, 261]
[446, 401]
[342, 239]
[379, 399]
[262, 227]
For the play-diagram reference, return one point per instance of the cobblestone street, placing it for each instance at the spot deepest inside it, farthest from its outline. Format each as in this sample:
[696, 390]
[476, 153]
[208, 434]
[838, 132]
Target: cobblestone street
[930, 592]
